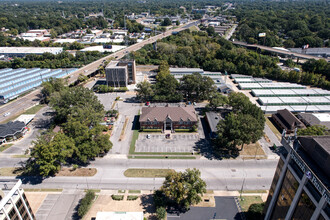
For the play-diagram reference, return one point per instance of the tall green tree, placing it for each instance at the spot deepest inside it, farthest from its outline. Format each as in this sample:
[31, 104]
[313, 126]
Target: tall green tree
[144, 91]
[217, 100]
[313, 130]
[184, 188]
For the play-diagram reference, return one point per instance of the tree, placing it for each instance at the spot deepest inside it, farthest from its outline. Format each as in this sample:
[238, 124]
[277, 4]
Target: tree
[50, 86]
[217, 100]
[166, 22]
[184, 188]
[312, 130]
[161, 213]
[144, 91]
[77, 102]
[49, 152]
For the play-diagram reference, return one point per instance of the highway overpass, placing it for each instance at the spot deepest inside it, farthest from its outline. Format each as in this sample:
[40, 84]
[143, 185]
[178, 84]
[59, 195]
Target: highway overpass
[278, 51]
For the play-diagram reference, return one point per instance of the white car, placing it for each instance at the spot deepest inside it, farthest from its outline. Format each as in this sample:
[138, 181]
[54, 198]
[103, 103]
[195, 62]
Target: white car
[6, 114]
[148, 136]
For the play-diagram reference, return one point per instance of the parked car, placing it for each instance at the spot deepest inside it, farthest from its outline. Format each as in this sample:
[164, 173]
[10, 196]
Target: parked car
[147, 103]
[148, 136]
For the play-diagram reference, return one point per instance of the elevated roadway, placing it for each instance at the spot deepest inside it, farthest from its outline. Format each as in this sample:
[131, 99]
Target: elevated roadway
[278, 51]
[19, 105]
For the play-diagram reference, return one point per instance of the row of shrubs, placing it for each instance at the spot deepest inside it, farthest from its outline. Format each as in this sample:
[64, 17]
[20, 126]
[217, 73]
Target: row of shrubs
[121, 197]
[106, 89]
[86, 203]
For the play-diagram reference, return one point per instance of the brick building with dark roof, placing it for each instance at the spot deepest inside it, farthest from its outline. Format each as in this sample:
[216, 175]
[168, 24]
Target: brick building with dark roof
[286, 120]
[168, 118]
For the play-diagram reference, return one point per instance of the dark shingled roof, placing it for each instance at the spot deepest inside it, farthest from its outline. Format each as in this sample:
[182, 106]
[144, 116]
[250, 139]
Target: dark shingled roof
[11, 128]
[174, 113]
[288, 119]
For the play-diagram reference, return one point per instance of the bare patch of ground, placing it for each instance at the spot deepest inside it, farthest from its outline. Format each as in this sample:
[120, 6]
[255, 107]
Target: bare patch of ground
[65, 171]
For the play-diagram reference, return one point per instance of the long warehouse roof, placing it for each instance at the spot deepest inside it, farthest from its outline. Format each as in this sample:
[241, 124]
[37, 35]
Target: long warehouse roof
[30, 50]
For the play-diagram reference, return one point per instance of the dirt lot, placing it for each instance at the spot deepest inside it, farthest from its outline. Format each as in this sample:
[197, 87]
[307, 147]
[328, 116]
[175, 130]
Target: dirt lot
[35, 199]
[77, 172]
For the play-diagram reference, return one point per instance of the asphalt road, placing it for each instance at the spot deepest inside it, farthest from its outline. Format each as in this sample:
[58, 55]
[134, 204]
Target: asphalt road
[289, 53]
[219, 175]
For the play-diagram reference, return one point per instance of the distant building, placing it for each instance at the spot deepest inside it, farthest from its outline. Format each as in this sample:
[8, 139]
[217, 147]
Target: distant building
[23, 51]
[286, 120]
[185, 71]
[319, 52]
[168, 118]
[300, 187]
[13, 202]
[311, 119]
[120, 73]
[213, 118]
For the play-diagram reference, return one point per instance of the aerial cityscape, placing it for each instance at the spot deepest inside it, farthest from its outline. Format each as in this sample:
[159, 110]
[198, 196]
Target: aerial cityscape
[164, 110]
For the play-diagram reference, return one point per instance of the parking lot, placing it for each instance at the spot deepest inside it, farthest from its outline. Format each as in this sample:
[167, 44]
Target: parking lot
[158, 143]
[225, 208]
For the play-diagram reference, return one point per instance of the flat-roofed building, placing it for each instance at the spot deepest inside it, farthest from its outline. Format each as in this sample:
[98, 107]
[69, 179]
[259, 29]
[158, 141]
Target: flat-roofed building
[311, 119]
[185, 71]
[13, 202]
[300, 187]
[23, 51]
[121, 73]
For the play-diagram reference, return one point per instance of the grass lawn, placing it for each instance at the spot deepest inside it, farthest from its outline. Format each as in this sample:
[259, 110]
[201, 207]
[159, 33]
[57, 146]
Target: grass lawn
[43, 190]
[252, 150]
[10, 171]
[255, 191]
[134, 191]
[5, 147]
[20, 156]
[273, 128]
[77, 172]
[93, 190]
[122, 134]
[246, 201]
[34, 109]
[149, 173]
[134, 138]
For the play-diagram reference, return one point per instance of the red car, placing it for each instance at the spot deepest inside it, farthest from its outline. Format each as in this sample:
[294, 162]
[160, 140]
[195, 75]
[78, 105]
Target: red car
[147, 103]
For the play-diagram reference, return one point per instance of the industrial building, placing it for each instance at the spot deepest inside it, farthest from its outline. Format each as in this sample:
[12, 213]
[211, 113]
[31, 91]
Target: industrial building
[300, 187]
[14, 82]
[23, 51]
[289, 92]
[250, 86]
[185, 71]
[311, 119]
[308, 100]
[13, 202]
[120, 73]
[252, 80]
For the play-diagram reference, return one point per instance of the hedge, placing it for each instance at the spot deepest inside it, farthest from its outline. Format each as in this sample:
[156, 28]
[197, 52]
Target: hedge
[117, 197]
[132, 197]
[85, 203]
[152, 130]
[182, 130]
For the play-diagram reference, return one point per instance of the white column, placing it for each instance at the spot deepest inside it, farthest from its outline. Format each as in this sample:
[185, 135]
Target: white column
[6, 214]
[25, 205]
[16, 209]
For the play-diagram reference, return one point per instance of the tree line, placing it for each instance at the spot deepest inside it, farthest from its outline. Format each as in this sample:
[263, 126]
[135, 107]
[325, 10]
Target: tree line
[78, 114]
[213, 53]
[289, 24]
[49, 60]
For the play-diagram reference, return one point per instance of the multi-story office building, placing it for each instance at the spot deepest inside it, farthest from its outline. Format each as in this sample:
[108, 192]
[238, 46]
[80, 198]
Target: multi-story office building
[120, 73]
[300, 188]
[13, 202]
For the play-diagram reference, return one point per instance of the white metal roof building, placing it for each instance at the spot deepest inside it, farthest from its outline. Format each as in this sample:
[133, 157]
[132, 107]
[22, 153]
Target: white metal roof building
[311, 100]
[184, 71]
[252, 80]
[23, 51]
[250, 86]
[14, 82]
[239, 76]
